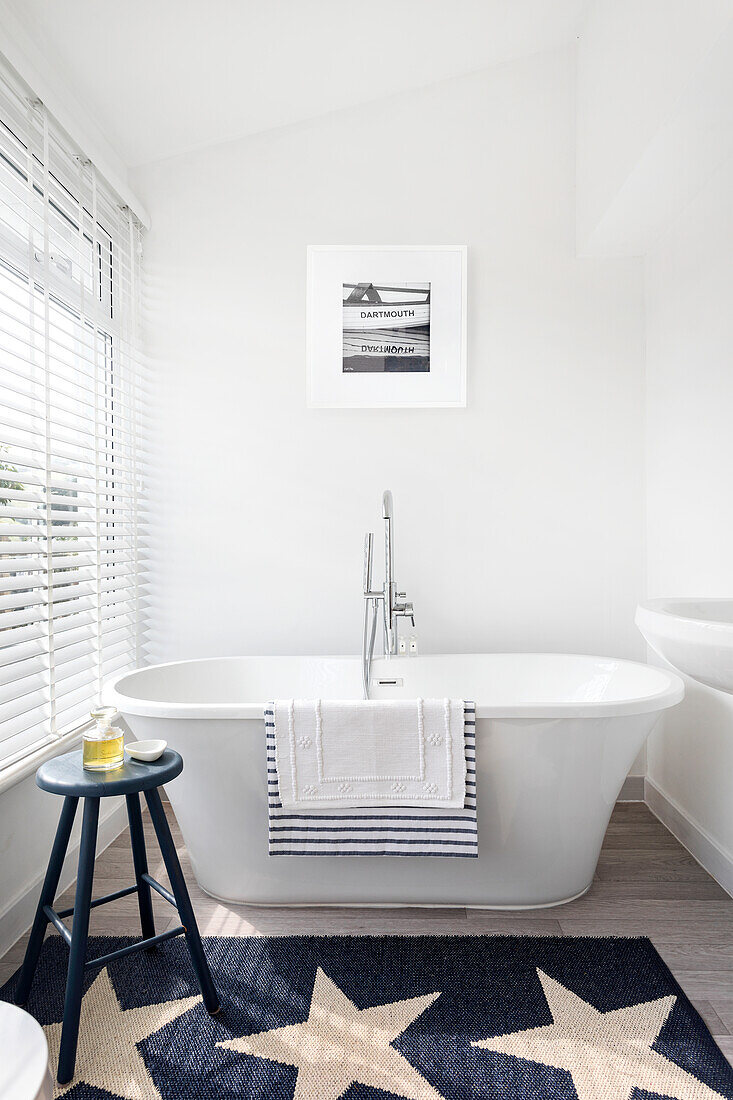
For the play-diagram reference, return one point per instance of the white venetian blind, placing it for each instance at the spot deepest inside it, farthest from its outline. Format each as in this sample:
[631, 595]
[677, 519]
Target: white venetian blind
[69, 427]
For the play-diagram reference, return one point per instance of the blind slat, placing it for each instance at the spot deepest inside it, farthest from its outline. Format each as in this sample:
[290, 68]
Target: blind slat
[16, 672]
[23, 692]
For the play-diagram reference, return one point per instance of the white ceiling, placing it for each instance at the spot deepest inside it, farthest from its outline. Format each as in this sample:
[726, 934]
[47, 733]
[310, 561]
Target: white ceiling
[162, 77]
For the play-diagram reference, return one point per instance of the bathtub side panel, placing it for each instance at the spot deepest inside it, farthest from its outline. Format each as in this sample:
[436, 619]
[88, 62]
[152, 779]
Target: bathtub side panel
[545, 792]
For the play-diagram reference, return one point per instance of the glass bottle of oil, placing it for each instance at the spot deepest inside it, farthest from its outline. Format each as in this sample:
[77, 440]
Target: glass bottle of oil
[103, 748]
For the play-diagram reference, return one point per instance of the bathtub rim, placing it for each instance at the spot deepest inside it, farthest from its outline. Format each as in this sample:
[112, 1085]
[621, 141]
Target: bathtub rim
[668, 696]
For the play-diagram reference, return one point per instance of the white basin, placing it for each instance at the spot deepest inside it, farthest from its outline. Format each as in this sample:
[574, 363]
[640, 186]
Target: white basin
[695, 636]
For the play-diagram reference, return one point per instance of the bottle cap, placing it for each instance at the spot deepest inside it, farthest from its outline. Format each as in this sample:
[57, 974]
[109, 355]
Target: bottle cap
[103, 717]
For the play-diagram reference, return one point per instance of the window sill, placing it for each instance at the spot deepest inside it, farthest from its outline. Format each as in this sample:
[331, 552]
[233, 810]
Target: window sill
[19, 771]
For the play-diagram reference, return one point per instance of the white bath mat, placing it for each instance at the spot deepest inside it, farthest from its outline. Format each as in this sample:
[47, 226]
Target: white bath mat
[370, 753]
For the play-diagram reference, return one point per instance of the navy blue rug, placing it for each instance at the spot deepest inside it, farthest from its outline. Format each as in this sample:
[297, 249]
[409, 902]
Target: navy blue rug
[369, 1017]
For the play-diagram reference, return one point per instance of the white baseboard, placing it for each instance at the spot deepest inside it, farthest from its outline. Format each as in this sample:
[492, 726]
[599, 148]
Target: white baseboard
[716, 860]
[17, 916]
[633, 789]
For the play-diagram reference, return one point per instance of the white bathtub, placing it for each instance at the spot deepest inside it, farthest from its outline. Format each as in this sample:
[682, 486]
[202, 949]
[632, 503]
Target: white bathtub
[555, 738]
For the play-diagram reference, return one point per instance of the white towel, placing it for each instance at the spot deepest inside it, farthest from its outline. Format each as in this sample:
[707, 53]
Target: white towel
[353, 753]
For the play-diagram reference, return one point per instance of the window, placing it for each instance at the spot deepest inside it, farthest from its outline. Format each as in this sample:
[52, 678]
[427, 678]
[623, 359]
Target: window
[69, 430]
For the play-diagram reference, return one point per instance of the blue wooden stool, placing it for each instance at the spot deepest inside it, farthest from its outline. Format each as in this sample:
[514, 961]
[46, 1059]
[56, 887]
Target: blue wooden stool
[65, 775]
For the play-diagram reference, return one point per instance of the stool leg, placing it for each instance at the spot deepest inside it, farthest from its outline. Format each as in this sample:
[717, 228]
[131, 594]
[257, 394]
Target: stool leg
[79, 931]
[48, 893]
[183, 901]
[140, 862]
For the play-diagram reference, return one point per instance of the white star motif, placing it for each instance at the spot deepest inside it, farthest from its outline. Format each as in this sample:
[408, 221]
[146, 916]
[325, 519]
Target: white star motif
[107, 1056]
[608, 1054]
[340, 1044]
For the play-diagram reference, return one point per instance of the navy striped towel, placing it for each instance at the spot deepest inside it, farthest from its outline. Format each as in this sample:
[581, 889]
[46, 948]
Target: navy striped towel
[385, 831]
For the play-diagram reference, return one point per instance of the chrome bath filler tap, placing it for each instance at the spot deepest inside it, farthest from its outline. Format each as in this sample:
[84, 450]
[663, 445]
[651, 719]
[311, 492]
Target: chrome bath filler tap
[394, 603]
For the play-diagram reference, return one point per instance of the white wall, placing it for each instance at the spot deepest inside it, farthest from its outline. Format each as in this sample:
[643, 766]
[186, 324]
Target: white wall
[28, 819]
[520, 519]
[690, 483]
[652, 89]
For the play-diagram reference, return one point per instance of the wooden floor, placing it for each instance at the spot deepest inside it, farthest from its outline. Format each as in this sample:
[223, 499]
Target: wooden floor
[646, 885]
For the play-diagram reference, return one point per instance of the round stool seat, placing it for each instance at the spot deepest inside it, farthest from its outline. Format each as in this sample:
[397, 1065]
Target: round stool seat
[24, 1072]
[65, 775]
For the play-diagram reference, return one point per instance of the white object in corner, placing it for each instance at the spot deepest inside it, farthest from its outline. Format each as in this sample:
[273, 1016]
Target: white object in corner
[24, 1071]
[695, 636]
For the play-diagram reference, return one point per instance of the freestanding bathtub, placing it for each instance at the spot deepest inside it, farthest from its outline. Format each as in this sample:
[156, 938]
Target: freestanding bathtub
[555, 738]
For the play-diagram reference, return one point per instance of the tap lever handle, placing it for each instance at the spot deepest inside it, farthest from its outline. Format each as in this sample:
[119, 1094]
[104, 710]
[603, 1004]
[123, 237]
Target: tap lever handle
[406, 610]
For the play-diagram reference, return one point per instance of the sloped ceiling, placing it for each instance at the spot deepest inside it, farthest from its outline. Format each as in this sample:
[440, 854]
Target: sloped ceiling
[162, 77]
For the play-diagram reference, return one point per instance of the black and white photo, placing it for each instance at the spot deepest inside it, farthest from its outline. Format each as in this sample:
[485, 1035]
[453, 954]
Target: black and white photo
[386, 328]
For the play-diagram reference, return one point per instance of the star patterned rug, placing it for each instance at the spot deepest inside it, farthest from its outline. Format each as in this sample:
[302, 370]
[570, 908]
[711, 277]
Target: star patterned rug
[378, 1017]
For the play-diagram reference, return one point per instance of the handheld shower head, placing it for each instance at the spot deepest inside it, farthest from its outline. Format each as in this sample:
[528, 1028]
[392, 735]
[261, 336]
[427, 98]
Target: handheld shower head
[394, 604]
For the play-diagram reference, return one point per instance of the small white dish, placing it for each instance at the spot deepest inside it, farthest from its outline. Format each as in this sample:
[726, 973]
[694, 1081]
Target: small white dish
[146, 750]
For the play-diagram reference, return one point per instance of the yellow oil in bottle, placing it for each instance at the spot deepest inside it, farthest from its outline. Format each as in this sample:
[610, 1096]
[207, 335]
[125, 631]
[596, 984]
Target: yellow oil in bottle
[99, 755]
[103, 746]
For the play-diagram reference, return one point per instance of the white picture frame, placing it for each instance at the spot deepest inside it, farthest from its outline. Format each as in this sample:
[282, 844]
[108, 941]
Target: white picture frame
[375, 363]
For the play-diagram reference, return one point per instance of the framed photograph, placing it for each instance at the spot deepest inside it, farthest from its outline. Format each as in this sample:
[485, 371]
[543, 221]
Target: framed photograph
[386, 326]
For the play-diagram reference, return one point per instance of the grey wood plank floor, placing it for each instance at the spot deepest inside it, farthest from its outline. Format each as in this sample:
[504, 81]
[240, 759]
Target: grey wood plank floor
[646, 884]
